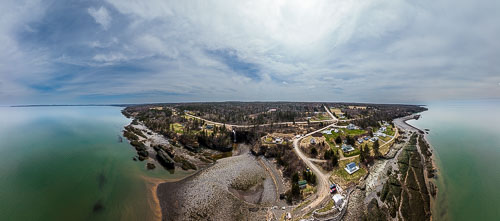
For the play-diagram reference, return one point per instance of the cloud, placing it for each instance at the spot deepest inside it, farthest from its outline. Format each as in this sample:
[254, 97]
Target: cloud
[101, 16]
[162, 50]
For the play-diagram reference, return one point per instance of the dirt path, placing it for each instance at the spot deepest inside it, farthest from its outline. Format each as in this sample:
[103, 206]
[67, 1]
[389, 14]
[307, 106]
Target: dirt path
[248, 126]
[323, 183]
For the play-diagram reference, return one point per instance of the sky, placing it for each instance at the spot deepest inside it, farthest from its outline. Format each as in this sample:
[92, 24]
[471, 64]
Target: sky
[138, 51]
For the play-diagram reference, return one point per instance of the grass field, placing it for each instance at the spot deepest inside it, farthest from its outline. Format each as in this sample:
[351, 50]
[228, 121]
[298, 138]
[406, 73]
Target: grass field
[327, 206]
[390, 131]
[353, 132]
[322, 116]
[330, 139]
[340, 171]
[178, 128]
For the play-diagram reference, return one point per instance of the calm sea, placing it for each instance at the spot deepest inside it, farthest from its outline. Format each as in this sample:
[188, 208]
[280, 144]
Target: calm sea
[466, 139]
[66, 163]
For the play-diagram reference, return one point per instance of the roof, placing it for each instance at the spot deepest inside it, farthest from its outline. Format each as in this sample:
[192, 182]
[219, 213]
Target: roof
[337, 197]
[351, 165]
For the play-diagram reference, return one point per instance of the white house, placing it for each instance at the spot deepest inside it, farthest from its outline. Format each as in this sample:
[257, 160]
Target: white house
[351, 168]
[352, 127]
[347, 148]
[313, 141]
[278, 140]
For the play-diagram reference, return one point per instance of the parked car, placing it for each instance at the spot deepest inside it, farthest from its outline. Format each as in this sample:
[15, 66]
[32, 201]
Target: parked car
[333, 188]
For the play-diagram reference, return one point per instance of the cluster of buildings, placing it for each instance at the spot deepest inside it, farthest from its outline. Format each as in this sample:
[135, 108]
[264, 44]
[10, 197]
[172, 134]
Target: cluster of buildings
[367, 138]
[277, 139]
[329, 132]
[381, 132]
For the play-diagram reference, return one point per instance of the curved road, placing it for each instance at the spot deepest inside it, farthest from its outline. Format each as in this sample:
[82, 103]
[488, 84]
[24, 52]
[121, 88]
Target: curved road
[322, 188]
[247, 126]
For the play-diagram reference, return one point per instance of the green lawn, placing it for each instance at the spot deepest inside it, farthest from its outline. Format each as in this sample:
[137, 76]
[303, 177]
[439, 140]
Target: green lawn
[340, 171]
[330, 139]
[390, 130]
[178, 128]
[318, 117]
[327, 206]
[387, 138]
[353, 132]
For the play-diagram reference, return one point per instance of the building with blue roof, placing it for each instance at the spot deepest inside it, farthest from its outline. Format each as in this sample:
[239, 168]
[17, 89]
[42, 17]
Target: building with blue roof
[351, 167]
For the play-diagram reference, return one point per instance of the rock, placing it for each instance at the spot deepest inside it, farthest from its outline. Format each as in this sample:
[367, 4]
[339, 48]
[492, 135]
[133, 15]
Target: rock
[165, 160]
[151, 166]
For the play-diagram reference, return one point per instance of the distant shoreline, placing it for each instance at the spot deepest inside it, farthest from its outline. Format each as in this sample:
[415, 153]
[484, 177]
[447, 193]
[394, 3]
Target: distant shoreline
[72, 105]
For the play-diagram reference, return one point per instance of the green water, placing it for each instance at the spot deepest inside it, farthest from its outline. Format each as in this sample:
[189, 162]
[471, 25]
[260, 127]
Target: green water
[57, 163]
[466, 139]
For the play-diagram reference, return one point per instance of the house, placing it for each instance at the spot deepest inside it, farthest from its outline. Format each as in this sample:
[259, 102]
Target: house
[313, 141]
[278, 140]
[382, 129]
[351, 168]
[360, 140]
[352, 127]
[302, 184]
[327, 132]
[347, 148]
[374, 139]
[338, 200]
[367, 138]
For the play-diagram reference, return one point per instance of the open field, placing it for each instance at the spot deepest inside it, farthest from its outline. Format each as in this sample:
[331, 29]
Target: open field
[341, 176]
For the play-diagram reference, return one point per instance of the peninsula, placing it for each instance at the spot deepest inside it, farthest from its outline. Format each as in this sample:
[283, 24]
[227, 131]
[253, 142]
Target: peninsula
[286, 160]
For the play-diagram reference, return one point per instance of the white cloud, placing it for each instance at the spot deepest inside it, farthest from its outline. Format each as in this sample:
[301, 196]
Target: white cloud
[110, 58]
[359, 50]
[101, 16]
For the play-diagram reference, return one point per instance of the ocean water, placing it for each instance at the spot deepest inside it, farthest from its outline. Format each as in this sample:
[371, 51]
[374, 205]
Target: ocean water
[66, 163]
[466, 139]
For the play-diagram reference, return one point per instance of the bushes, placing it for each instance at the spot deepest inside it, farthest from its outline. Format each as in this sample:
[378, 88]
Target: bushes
[309, 177]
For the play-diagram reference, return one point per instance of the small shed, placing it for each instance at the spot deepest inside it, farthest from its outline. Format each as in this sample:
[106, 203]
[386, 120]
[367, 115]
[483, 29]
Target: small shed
[302, 183]
[338, 200]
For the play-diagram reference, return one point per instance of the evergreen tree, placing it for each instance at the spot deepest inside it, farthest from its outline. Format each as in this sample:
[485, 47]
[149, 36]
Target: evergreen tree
[335, 160]
[295, 177]
[376, 147]
[338, 140]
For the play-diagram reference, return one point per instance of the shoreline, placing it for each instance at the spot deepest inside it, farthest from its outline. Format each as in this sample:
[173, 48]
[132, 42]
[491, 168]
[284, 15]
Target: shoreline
[153, 184]
[435, 202]
[403, 122]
